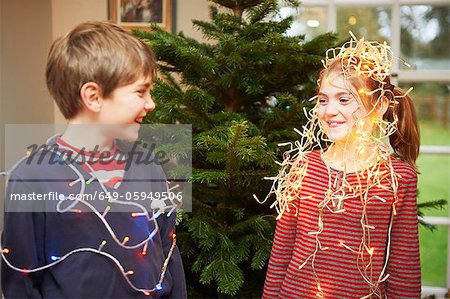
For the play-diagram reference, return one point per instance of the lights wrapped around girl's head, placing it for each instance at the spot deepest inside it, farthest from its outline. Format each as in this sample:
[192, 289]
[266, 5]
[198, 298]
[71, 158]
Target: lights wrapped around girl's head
[368, 58]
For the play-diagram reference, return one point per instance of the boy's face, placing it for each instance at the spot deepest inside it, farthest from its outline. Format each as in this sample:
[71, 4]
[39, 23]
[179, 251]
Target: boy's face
[125, 109]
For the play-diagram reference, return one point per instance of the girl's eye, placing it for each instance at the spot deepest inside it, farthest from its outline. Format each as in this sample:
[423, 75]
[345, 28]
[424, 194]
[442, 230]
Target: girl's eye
[344, 100]
[322, 101]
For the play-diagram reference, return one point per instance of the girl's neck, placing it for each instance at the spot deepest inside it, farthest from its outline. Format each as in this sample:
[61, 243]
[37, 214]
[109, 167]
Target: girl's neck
[351, 158]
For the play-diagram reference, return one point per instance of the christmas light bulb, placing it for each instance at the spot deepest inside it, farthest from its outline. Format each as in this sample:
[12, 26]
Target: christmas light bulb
[71, 184]
[144, 251]
[101, 245]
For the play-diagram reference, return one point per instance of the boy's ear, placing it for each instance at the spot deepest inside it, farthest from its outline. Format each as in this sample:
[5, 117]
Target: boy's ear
[90, 94]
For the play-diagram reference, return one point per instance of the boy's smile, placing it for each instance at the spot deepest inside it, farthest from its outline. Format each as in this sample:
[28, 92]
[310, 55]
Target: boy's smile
[126, 108]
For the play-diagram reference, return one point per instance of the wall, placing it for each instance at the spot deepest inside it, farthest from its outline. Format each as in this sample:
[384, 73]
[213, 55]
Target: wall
[66, 15]
[24, 47]
[25, 34]
[188, 10]
[2, 159]
[2, 163]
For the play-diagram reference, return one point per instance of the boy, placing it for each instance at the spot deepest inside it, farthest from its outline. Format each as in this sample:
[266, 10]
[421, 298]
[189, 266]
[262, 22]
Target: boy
[105, 247]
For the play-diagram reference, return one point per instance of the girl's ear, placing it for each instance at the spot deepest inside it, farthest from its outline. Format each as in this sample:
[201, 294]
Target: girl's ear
[90, 94]
[383, 106]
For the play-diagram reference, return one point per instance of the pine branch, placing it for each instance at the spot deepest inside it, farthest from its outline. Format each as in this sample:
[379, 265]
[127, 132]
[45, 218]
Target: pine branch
[259, 13]
[260, 257]
[435, 204]
[228, 275]
[209, 30]
[209, 176]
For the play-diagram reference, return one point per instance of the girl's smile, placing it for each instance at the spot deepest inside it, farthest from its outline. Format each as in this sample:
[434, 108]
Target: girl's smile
[338, 110]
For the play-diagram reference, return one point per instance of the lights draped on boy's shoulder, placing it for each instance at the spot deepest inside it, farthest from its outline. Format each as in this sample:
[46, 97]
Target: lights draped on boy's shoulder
[140, 246]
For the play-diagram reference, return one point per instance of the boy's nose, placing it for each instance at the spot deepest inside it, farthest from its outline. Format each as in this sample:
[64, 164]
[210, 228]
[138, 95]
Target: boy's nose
[149, 104]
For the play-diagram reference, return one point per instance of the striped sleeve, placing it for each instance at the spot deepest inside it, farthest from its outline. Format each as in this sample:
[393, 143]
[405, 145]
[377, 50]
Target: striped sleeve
[404, 262]
[282, 249]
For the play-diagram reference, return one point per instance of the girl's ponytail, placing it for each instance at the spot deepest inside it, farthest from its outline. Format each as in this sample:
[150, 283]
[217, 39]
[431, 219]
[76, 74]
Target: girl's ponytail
[406, 139]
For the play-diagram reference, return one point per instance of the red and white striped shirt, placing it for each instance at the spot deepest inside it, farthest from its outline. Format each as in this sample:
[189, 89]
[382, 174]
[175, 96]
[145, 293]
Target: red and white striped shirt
[109, 166]
[336, 267]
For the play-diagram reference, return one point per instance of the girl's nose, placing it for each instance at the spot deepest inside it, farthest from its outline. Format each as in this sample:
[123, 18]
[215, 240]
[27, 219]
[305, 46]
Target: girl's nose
[331, 108]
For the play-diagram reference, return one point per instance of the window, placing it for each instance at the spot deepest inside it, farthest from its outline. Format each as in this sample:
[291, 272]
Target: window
[311, 21]
[371, 22]
[425, 36]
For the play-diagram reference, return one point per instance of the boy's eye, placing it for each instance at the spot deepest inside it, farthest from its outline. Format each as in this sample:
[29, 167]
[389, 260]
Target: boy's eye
[142, 91]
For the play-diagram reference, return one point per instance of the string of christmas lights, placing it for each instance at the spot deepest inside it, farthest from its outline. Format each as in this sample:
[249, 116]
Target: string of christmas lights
[140, 210]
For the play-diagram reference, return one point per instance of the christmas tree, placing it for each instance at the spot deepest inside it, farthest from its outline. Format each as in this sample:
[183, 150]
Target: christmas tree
[243, 92]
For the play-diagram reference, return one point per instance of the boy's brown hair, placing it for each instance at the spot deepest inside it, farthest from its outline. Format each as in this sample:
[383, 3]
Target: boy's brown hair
[98, 52]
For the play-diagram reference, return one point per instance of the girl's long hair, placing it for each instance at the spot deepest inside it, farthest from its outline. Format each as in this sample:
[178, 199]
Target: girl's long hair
[406, 139]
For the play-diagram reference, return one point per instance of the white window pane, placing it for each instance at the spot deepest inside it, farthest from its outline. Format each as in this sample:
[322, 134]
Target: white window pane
[372, 23]
[425, 36]
[432, 103]
[310, 21]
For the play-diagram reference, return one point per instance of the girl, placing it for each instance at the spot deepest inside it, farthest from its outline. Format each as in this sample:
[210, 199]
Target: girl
[346, 193]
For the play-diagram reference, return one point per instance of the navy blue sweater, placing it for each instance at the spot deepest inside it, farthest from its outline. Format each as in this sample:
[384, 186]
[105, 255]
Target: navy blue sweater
[35, 239]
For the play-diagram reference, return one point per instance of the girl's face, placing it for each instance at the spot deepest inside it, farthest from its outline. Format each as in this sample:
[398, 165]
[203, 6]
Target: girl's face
[338, 108]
